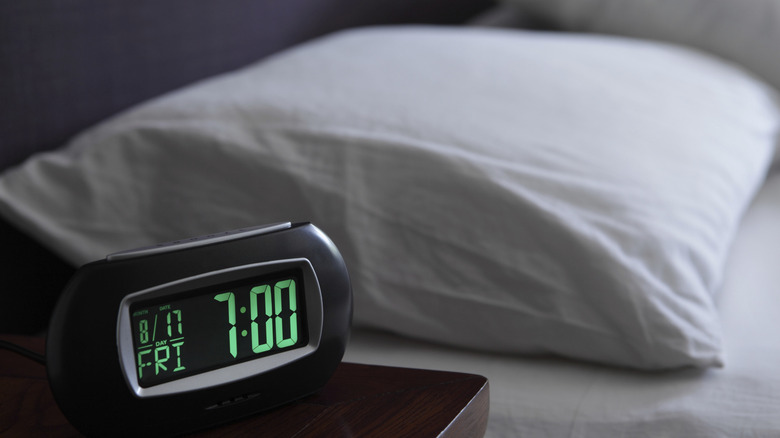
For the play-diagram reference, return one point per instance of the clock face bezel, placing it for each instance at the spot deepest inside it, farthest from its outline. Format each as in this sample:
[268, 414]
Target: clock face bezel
[230, 373]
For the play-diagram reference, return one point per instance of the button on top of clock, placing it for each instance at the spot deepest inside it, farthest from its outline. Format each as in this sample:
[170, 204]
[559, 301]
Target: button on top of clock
[198, 241]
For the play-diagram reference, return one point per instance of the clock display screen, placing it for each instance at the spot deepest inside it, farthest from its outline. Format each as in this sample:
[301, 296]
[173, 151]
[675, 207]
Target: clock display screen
[217, 326]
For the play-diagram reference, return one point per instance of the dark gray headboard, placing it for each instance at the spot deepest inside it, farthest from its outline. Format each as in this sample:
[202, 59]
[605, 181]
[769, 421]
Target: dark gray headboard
[65, 65]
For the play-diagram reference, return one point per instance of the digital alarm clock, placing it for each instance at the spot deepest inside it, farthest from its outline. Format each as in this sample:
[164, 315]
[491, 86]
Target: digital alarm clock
[189, 334]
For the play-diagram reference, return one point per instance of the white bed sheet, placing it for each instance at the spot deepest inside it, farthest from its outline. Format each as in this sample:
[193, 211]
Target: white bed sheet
[548, 397]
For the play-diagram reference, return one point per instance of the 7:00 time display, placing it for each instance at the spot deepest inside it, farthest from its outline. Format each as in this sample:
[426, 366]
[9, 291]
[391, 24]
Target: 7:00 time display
[212, 328]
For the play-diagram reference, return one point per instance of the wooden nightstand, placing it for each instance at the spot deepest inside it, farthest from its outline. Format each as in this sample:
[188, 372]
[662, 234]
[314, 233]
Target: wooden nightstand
[360, 400]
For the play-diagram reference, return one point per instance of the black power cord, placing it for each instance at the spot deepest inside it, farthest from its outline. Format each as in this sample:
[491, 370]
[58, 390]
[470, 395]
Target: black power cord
[23, 351]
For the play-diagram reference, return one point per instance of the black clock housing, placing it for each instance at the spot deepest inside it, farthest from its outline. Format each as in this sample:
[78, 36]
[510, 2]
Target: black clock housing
[189, 334]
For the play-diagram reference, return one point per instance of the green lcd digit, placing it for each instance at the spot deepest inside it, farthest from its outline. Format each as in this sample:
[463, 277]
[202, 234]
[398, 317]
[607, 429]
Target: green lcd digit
[281, 342]
[230, 297]
[178, 319]
[265, 292]
[143, 327]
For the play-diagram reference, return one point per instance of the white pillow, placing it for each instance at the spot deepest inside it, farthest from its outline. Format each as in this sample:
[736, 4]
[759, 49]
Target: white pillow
[497, 190]
[743, 31]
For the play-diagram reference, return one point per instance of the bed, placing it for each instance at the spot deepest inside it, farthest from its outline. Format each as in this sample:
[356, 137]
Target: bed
[578, 200]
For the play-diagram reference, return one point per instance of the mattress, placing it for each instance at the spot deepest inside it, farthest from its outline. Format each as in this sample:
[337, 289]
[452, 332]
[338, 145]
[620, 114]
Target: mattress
[543, 397]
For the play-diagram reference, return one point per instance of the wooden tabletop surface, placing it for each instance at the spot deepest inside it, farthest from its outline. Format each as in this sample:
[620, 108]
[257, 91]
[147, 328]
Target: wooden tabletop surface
[359, 400]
